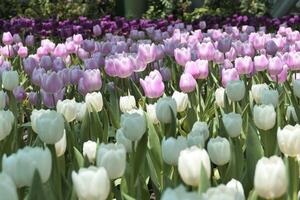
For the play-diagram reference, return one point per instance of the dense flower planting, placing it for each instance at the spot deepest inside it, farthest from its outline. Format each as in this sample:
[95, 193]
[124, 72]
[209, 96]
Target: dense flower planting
[171, 112]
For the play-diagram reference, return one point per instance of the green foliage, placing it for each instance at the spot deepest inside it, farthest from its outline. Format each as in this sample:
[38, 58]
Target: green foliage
[255, 7]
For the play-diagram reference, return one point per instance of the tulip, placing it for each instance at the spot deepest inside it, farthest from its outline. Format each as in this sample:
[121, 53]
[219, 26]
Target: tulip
[171, 148]
[94, 101]
[68, 108]
[233, 124]
[179, 193]
[270, 179]
[10, 80]
[113, 158]
[244, 65]
[19, 93]
[190, 164]
[35, 114]
[27, 161]
[229, 75]
[51, 83]
[2, 99]
[50, 126]
[198, 69]
[58, 64]
[61, 145]
[133, 125]
[270, 97]
[219, 96]
[97, 31]
[181, 99]
[7, 38]
[46, 62]
[182, 56]
[257, 92]
[275, 65]
[165, 73]
[235, 90]
[29, 40]
[90, 150]
[261, 62]
[81, 111]
[121, 139]
[205, 51]
[29, 65]
[237, 187]
[165, 108]
[289, 140]
[196, 138]
[91, 183]
[127, 103]
[153, 85]
[7, 187]
[271, 47]
[151, 113]
[123, 66]
[291, 114]
[146, 52]
[91, 80]
[7, 120]
[224, 45]
[23, 52]
[222, 192]
[217, 145]
[187, 83]
[50, 100]
[264, 116]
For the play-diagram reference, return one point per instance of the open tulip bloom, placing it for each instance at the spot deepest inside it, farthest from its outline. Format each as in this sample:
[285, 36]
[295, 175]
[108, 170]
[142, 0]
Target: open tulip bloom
[172, 112]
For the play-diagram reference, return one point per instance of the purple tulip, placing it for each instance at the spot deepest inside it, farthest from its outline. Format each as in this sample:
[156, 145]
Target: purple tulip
[19, 93]
[165, 73]
[97, 31]
[50, 100]
[46, 62]
[90, 81]
[82, 54]
[33, 98]
[88, 45]
[51, 83]
[271, 47]
[29, 40]
[224, 45]
[187, 83]
[17, 38]
[153, 85]
[37, 74]
[29, 65]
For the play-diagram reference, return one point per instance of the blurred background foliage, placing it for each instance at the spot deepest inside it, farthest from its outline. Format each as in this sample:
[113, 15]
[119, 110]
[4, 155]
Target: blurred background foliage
[183, 9]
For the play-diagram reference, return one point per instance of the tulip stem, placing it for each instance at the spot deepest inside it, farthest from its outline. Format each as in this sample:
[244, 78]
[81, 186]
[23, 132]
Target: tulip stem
[294, 177]
[269, 142]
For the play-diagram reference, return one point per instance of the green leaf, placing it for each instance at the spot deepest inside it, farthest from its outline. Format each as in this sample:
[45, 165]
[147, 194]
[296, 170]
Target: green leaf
[79, 158]
[85, 127]
[204, 183]
[36, 189]
[140, 156]
[105, 122]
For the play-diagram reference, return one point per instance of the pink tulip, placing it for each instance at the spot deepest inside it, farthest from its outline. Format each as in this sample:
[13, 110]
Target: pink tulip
[182, 56]
[187, 83]
[244, 65]
[205, 51]
[23, 52]
[229, 75]
[275, 65]
[153, 85]
[292, 59]
[198, 69]
[7, 38]
[282, 76]
[261, 62]
[147, 52]
[77, 39]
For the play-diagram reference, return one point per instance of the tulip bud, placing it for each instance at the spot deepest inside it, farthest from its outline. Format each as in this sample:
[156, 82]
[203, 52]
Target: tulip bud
[81, 111]
[182, 56]
[181, 99]
[89, 150]
[219, 96]
[113, 158]
[271, 47]
[29, 40]
[198, 69]
[10, 80]
[291, 114]
[153, 85]
[68, 108]
[51, 83]
[261, 62]
[7, 120]
[289, 140]
[264, 116]
[91, 183]
[235, 90]
[97, 30]
[244, 65]
[35, 114]
[165, 108]
[133, 125]
[233, 124]
[2, 99]
[7, 188]
[296, 87]
[61, 145]
[19, 93]
[223, 192]
[151, 113]
[27, 161]
[229, 75]
[121, 139]
[275, 65]
[94, 101]
[217, 145]
[127, 103]
[224, 45]
[190, 164]
[23, 52]
[171, 148]
[270, 179]
[50, 126]
[187, 83]
[257, 92]
[7, 38]
[270, 97]
[237, 187]
[179, 193]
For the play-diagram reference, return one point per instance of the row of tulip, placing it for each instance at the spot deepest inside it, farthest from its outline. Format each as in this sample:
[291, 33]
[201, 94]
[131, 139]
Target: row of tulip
[187, 115]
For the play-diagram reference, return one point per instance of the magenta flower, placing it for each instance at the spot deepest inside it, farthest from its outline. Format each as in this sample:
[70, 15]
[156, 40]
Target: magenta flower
[153, 85]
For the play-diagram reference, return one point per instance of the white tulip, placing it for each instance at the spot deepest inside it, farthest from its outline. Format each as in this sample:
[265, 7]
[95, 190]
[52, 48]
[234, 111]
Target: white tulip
[68, 108]
[195, 138]
[189, 165]
[171, 148]
[121, 139]
[264, 116]
[270, 179]
[222, 192]
[165, 108]
[202, 128]
[289, 140]
[179, 193]
[7, 120]
[35, 114]
[2, 99]
[235, 90]
[257, 90]
[81, 111]
[8, 189]
[94, 101]
[217, 145]
[10, 80]
[127, 103]
[233, 124]
[61, 145]
[270, 97]
[182, 100]
[151, 113]
[296, 87]
[133, 125]
[291, 114]
[113, 158]
[237, 187]
[91, 183]
[89, 150]
[219, 96]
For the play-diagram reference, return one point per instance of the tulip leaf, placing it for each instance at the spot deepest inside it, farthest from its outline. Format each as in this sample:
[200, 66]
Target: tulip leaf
[136, 91]
[127, 197]
[172, 130]
[79, 158]
[85, 127]
[96, 129]
[190, 119]
[105, 123]
[204, 182]
[140, 156]
[36, 189]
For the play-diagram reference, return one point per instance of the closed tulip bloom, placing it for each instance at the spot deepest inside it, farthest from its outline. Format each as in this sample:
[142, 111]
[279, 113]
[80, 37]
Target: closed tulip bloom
[60, 50]
[146, 52]
[29, 40]
[235, 90]
[7, 38]
[182, 56]
[270, 97]
[7, 120]
[222, 192]
[264, 116]
[275, 65]
[68, 108]
[133, 125]
[81, 111]
[151, 113]
[121, 139]
[291, 114]
[198, 69]
[46, 62]
[289, 140]
[27, 161]
[257, 92]
[165, 108]
[187, 83]
[292, 59]
[10, 80]
[224, 45]
[23, 52]
[189, 165]
[271, 47]
[244, 65]
[35, 114]
[7, 188]
[229, 75]
[153, 85]
[89, 150]
[237, 187]
[261, 62]
[217, 145]
[179, 193]
[19, 93]
[171, 148]
[127, 103]
[91, 183]
[181, 99]
[50, 127]
[123, 66]
[205, 51]
[51, 83]
[97, 31]
[91, 80]
[233, 124]
[94, 101]
[2, 99]
[61, 145]
[219, 96]
[196, 138]
[113, 158]
[270, 179]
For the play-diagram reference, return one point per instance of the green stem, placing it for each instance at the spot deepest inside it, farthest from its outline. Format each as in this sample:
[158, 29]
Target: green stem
[293, 166]
[269, 142]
